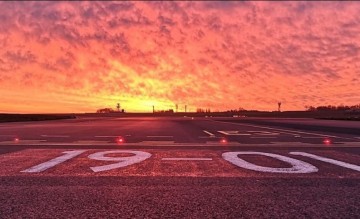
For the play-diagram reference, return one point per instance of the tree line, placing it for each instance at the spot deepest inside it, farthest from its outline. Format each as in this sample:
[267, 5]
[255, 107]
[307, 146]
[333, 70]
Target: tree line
[333, 108]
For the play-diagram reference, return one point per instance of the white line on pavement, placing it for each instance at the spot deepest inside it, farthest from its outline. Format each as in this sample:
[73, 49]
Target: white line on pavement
[159, 136]
[185, 158]
[209, 137]
[263, 137]
[209, 133]
[232, 133]
[313, 137]
[55, 136]
[106, 136]
[277, 129]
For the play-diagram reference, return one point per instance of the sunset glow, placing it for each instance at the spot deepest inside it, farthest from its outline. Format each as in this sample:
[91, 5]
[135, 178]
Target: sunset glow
[82, 56]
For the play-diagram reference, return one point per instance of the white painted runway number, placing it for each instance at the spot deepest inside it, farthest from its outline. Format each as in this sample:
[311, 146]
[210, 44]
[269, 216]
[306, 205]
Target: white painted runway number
[328, 160]
[121, 161]
[298, 166]
[51, 163]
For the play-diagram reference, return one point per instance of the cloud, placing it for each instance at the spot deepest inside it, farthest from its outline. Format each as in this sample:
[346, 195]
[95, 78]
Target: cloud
[204, 54]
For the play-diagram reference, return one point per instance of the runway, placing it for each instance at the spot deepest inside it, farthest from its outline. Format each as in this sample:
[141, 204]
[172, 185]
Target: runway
[179, 167]
[195, 131]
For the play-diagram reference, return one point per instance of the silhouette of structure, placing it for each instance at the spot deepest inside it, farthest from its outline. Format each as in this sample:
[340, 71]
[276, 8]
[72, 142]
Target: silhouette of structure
[279, 106]
[185, 108]
[118, 107]
[153, 109]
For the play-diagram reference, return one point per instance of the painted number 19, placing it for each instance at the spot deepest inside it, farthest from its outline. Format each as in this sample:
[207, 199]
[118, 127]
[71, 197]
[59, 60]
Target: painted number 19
[121, 161]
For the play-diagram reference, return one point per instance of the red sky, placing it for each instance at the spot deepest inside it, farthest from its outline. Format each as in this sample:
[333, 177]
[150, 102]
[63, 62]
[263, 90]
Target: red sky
[81, 56]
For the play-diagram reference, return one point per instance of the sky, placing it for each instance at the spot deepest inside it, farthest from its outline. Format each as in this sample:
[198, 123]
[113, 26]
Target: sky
[63, 57]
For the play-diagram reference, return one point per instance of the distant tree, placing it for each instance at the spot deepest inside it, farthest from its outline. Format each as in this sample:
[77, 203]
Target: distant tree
[332, 108]
[356, 107]
[105, 110]
[310, 108]
[200, 110]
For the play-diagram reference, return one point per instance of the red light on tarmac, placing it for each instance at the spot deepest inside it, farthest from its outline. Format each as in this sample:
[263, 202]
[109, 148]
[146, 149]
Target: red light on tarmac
[16, 140]
[327, 141]
[120, 140]
[223, 141]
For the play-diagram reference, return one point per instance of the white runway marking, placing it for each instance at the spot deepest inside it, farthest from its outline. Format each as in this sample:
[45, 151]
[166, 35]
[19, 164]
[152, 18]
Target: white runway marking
[106, 136]
[328, 160]
[209, 133]
[185, 158]
[313, 137]
[122, 161]
[151, 143]
[209, 137]
[232, 133]
[263, 133]
[55, 136]
[263, 137]
[51, 163]
[159, 136]
[286, 130]
[298, 166]
[90, 142]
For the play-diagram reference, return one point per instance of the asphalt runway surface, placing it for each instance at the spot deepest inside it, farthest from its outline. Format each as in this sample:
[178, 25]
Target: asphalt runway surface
[180, 168]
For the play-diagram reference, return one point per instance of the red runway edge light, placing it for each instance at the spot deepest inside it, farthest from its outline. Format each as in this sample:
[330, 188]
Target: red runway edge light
[327, 141]
[120, 140]
[16, 139]
[223, 141]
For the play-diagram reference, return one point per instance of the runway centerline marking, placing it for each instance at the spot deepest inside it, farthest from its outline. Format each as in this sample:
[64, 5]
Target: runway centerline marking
[186, 158]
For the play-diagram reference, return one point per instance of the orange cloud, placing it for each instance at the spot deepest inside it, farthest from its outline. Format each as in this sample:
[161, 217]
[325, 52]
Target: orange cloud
[80, 56]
